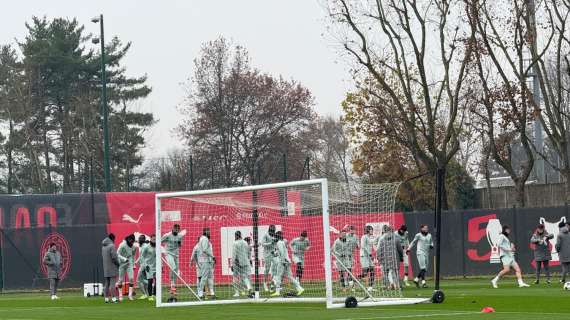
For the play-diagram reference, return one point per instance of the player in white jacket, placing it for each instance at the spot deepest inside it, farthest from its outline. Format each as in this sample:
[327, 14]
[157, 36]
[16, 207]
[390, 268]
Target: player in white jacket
[424, 243]
[126, 254]
[206, 261]
[366, 258]
[507, 252]
[172, 241]
[283, 266]
[241, 265]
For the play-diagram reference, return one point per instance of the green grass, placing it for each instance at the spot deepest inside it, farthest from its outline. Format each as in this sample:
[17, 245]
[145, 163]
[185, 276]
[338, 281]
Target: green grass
[464, 300]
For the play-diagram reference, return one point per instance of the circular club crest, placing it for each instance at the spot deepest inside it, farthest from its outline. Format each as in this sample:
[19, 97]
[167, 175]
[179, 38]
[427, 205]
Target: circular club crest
[63, 247]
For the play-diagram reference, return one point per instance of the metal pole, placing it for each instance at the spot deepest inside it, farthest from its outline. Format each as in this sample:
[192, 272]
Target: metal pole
[212, 178]
[191, 173]
[309, 168]
[438, 295]
[106, 159]
[255, 218]
[128, 176]
[258, 174]
[285, 167]
[537, 125]
[92, 187]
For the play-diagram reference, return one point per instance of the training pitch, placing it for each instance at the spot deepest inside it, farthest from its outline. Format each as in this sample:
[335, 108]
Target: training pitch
[464, 300]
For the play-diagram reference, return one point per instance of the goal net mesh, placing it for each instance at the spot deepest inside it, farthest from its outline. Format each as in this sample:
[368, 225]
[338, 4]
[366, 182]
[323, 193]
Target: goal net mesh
[366, 260]
[213, 258]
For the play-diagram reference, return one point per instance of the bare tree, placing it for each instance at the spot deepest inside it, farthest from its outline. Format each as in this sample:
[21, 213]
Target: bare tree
[504, 61]
[332, 152]
[237, 117]
[553, 74]
[412, 56]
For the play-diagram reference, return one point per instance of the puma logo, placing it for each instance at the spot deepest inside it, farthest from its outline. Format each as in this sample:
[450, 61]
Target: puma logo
[130, 219]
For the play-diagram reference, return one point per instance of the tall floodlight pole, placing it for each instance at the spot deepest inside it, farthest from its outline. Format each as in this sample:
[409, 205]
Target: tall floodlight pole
[537, 125]
[104, 106]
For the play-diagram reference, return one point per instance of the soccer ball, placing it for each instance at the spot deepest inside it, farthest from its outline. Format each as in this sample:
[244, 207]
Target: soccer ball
[567, 286]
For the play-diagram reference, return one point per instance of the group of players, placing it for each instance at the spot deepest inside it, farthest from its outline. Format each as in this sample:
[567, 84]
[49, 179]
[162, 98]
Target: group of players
[391, 249]
[277, 262]
[542, 243]
[121, 262]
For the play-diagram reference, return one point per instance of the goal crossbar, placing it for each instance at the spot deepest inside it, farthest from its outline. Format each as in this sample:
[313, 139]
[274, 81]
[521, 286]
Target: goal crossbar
[241, 189]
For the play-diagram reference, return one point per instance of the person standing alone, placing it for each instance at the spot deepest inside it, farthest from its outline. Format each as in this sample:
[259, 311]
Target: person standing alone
[52, 259]
[110, 267]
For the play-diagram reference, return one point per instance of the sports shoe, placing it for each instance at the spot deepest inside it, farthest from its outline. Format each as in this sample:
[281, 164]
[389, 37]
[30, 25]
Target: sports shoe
[56, 297]
[523, 285]
[106, 300]
[265, 288]
[131, 298]
[494, 283]
[424, 285]
[115, 300]
[151, 298]
[406, 283]
[536, 282]
[144, 296]
[300, 291]
[53, 297]
[236, 295]
[275, 294]
[417, 282]
[548, 282]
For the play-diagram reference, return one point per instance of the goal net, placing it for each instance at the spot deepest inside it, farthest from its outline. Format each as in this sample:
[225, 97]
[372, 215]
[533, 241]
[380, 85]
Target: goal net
[293, 241]
[366, 255]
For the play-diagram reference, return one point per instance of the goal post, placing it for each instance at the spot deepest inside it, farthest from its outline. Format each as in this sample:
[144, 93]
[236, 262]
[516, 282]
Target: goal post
[273, 243]
[290, 208]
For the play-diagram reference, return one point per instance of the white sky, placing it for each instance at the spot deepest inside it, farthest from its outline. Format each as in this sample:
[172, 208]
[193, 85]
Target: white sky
[283, 38]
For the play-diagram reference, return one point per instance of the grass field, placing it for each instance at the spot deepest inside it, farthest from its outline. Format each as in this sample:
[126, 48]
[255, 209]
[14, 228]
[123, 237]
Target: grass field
[464, 300]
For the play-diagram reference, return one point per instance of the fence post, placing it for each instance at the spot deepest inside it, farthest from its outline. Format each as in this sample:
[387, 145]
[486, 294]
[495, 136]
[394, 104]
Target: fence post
[92, 187]
[128, 177]
[258, 173]
[285, 178]
[169, 180]
[191, 174]
[463, 240]
[1, 260]
[212, 177]
[308, 166]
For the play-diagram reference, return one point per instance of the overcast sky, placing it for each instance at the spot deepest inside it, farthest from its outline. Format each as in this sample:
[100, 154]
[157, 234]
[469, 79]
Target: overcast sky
[283, 38]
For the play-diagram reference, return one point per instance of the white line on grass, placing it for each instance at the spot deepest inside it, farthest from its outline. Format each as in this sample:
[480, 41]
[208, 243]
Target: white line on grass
[413, 316]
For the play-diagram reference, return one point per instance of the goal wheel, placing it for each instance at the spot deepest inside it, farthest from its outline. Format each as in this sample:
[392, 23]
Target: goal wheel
[88, 295]
[438, 296]
[172, 299]
[351, 302]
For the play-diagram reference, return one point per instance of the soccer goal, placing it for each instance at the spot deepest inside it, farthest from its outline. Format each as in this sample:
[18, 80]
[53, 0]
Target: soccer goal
[275, 243]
